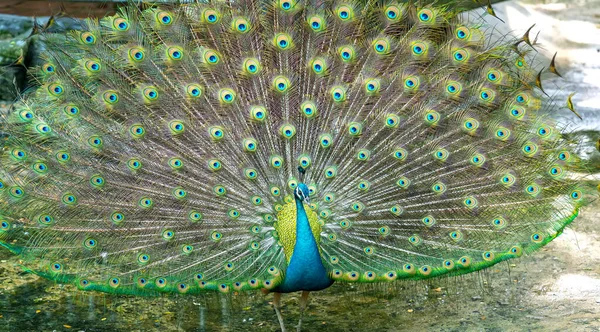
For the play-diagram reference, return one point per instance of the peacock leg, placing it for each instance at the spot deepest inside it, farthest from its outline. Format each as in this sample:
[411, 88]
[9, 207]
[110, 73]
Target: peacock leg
[303, 304]
[277, 306]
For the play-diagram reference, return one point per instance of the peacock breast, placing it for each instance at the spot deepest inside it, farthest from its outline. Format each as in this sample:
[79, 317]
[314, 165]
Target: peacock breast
[285, 226]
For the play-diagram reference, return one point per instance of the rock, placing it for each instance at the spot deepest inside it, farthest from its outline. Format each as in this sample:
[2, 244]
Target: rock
[12, 49]
[16, 45]
[12, 26]
[12, 79]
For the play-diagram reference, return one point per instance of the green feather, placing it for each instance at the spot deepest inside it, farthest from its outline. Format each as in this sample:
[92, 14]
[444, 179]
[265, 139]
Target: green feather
[159, 153]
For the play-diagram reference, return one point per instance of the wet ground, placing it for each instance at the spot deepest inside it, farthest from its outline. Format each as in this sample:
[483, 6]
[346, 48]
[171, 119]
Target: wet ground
[555, 289]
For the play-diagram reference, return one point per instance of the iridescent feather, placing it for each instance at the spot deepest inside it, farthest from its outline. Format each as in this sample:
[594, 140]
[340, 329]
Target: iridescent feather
[160, 152]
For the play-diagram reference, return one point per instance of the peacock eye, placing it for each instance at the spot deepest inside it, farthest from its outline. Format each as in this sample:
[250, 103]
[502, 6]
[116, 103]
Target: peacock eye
[174, 146]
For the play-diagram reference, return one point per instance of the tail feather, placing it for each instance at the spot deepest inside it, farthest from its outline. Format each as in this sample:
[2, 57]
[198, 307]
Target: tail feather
[162, 144]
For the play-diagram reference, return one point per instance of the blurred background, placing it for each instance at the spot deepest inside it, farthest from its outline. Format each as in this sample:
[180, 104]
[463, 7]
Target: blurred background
[556, 289]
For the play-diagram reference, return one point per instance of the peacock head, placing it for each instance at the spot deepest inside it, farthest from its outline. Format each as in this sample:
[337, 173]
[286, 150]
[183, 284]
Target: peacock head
[301, 193]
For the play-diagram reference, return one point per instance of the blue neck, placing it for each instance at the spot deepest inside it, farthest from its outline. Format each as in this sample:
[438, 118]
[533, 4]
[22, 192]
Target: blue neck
[305, 270]
[304, 236]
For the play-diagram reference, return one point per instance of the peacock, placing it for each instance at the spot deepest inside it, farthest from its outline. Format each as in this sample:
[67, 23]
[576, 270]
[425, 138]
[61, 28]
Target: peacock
[281, 146]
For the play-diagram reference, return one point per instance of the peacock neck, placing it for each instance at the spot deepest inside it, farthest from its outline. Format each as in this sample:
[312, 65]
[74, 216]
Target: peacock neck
[304, 236]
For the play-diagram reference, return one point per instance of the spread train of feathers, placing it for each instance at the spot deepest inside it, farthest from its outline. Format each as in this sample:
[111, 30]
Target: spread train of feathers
[160, 151]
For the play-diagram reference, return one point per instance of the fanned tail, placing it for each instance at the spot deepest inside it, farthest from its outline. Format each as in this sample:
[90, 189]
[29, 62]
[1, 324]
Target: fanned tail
[160, 151]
